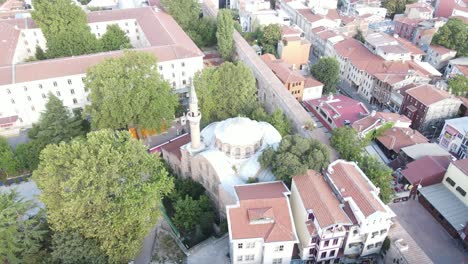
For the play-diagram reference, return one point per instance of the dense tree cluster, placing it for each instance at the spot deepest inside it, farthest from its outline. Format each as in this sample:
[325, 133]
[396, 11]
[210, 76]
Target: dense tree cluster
[351, 147]
[458, 85]
[65, 28]
[226, 91]
[327, 71]
[224, 34]
[8, 163]
[453, 35]
[129, 91]
[269, 38]
[396, 6]
[277, 119]
[294, 156]
[202, 30]
[104, 189]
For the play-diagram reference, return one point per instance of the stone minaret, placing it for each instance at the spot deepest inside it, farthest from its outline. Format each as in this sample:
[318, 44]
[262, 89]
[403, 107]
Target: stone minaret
[194, 117]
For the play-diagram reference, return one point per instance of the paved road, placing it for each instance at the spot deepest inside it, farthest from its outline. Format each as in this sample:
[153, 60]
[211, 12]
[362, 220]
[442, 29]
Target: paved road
[212, 252]
[428, 233]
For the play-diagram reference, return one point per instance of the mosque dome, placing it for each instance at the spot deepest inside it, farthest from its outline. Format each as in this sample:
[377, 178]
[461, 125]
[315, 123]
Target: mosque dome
[238, 137]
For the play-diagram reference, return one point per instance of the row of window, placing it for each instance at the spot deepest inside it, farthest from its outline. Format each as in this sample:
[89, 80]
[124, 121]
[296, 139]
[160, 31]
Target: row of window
[72, 91]
[370, 246]
[459, 189]
[246, 258]
[247, 245]
[69, 81]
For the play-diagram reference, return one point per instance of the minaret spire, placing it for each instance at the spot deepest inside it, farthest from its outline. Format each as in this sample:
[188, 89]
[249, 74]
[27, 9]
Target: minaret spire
[194, 117]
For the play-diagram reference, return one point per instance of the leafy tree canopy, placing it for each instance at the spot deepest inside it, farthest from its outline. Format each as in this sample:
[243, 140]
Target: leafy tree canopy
[224, 34]
[189, 212]
[347, 142]
[458, 85]
[294, 156]
[396, 6]
[185, 12]
[20, 233]
[327, 71]
[453, 35]
[70, 247]
[115, 39]
[8, 164]
[271, 34]
[107, 187]
[278, 119]
[225, 91]
[129, 91]
[379, 174]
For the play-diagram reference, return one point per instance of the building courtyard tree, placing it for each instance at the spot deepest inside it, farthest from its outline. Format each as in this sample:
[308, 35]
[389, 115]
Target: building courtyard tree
[327, 71]
[224, 34]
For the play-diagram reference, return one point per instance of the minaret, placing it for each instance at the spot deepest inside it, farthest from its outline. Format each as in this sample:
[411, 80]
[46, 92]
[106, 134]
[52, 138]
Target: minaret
[194, 117]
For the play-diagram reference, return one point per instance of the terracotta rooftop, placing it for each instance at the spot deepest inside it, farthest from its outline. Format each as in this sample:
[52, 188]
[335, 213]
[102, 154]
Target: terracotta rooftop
[311, 17]
[422, 7]
[359, 55]
[341, 108]
[173, 146]
[351, 183]
[316, 195]
[428, 94]
[168, 42]
[379, 118]
[263, 212]
[282, 70]
[427, 170]
[462, 165]
[311, 82]
[400, 137]
[441, 50]
[8, 120]
[289, 31]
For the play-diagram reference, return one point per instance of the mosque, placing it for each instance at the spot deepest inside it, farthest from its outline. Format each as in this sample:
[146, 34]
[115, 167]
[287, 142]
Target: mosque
[223, 155]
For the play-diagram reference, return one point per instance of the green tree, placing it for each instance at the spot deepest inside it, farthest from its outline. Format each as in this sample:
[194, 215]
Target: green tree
[295, 154]
[70, 247]
[347, 142]
[277, 119]
[64, 25]
[224, 34]
[40, 54]
[379, 174]
[458, 85]
[453, 35]
[185, 12]
[204, 32]
[190, 212]
[107, 187]
[27, 155]
[359, 36]
[327, 71]
[128, 91]
[396, 6]
[225, 91]
[270, 37]
[20, 233]
[8, 163]
[115, 39]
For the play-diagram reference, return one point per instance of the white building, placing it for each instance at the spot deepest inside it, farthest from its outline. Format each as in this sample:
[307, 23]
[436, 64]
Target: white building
[457, 66]
[371, 217]
[319, 217]
[460, 9]
[439, 56]
[24, 86]
[419, 11]
[261, 227]
[454, 137]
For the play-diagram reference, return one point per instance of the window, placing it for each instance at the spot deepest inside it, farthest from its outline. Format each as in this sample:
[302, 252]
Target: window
[29, 98]
[314, 240]
[82, 79]
[374, 234]
[75, 101]
[250, 245]
[172, 65]
[128, 32]
[183, 64]
[136, 30]
[335, 242]
[69, 81]
[160, 67]
[370, 246]
[239, 258]
[33, 108]
[240, 245]
[326, 243]
[184, 82]
[43, 96]
[450, 181]
[311, 217]
[332, 253]
[58, 93]
[12, 101]
[29, 50]
[383, 231]
[279, 248]
[183, 73]
[323, 255]
[72, 91]
[277, 260]
[249, 257]
[173, 75]
[378, 244]
[138, 37]
[21, 120]
[8, 91]
[461, 191]
[25, 88]
[55, 84]
[40, 86]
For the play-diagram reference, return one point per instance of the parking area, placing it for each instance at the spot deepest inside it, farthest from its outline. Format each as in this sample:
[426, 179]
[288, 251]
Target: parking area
[429, 234]
[211, 251]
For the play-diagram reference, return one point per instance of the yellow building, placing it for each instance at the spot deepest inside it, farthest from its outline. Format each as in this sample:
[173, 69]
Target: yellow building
[293, 49]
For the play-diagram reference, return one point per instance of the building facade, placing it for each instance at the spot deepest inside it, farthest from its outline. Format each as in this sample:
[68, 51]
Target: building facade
[439, 56]
[454, 137]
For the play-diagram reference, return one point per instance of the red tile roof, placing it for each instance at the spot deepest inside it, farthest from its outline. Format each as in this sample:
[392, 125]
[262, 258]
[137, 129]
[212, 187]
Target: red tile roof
[173, 146]
[282, 70]
[399, 137]
[340, 108]
[8, 39]
[316, 195]
[311, 82]
[428, 94]
[168, 42]
[351, 183]
[8, 120]
[288, 31]
[379, 119]
[441, 50]
[462, 165]
[427, 171]
[263, 212]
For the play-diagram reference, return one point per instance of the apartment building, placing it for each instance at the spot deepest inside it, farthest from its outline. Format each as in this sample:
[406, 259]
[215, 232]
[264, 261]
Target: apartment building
[419, 11]
[396, 138]
[439, 56]
[427, 107]
[293, 48]
[454, 137]
[349, 7]
[323, 40]
[393, 48]
[261, 227]
[24, 86]
[320, 218]
[457, 66]
[375, 120]
[371, 218]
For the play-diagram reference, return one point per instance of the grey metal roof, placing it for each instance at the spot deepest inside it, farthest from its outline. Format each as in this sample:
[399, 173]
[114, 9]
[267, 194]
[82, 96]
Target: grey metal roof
[424, 149]
[460, 124]
[448, 205]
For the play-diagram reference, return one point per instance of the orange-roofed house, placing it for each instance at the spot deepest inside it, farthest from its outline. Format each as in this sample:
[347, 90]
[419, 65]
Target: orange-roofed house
[371, 215]
[396, 138]
[439, 56]
[293, 48]
[428, 107]
[320, 218]
[261, 226]
[376, 120]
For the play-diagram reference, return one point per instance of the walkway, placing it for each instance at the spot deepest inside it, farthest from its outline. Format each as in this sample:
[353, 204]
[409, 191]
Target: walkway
[147, 250]
[211, 251]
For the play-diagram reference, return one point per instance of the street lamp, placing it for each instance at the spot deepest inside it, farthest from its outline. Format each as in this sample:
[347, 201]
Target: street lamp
[433, 136]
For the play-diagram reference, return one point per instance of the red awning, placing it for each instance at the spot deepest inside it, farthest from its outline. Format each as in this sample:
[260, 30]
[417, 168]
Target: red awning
[8, 120]
[452, 131]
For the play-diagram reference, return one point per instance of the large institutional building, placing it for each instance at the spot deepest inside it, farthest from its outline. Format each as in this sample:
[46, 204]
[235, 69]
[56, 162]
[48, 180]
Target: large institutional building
[24, 85]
